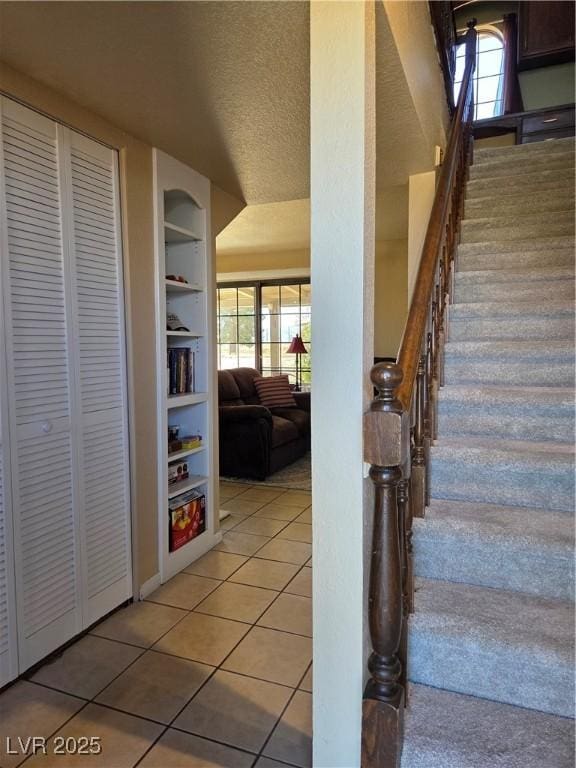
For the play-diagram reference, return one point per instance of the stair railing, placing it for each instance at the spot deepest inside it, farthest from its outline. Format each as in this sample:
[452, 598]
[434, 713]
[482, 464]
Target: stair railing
[398, 430]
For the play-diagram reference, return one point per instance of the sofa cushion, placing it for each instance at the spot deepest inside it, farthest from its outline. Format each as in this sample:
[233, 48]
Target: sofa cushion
[274, 392]
[283, 431]
[298, 417]
[228, 391]
[245, 381]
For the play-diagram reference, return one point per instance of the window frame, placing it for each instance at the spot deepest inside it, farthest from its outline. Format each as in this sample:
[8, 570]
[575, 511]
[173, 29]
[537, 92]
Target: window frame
[485, 30]
[258, 285]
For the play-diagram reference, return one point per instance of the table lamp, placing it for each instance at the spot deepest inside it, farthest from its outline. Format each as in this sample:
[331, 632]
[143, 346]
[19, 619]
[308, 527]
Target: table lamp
[297, 348]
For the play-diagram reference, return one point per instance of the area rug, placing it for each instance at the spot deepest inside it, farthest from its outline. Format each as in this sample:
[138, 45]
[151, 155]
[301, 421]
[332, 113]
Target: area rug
[296, 476]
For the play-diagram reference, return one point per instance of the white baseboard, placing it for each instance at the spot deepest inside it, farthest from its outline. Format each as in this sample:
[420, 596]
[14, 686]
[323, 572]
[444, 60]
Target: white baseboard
[149, 586]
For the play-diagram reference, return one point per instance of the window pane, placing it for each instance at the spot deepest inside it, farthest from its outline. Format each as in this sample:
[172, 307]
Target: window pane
[266, 356]
[485, 111]
[290, 295]
[290, 327]
[460, 64]
[488, 42]
[305, 327]
[271, 298]
[227, 301]
[246, 300]
[228, 356]
[246, 329]
[228, 332]
[305, 298]
[490, 63]
[247, 356]
[488, 89]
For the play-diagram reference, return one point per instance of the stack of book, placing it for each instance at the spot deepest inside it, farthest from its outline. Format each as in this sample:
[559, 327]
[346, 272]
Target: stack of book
[180, 370]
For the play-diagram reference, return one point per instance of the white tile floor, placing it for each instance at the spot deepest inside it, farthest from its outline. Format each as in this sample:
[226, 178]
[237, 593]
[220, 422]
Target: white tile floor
[213, 670]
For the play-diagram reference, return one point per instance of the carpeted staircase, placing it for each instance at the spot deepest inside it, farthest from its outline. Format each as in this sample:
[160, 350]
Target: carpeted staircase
[491, 656]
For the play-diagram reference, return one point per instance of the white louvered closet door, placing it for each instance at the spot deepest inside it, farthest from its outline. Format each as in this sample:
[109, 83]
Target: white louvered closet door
[38, 339]
[66, 385]
[92, 214]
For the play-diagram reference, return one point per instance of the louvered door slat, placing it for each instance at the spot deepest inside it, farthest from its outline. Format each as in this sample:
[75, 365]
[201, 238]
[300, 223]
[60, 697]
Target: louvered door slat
[100, 355]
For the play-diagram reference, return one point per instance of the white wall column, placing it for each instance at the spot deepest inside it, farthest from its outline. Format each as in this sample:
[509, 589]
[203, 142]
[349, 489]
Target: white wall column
[343, 163]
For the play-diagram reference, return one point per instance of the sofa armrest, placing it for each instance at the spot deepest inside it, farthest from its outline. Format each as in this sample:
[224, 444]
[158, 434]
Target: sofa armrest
[302, 400]
[232, 414]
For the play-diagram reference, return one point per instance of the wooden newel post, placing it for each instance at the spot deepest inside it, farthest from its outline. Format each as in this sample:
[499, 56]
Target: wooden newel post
[386, 449]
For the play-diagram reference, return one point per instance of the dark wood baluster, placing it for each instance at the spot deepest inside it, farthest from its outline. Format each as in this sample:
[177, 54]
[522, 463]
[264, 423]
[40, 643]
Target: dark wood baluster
[386, 449]
[405, 522]
[429, 414]
[403, 513]
[418, 475]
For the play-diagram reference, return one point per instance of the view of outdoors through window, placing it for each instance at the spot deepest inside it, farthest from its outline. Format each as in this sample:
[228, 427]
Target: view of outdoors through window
[257, 322]
[488, 76]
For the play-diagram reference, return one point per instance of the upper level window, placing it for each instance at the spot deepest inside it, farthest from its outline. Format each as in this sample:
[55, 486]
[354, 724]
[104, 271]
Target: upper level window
[488, 76]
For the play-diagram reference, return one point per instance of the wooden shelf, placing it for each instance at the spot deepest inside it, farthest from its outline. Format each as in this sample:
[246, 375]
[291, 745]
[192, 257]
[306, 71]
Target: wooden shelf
[189, 398]
[186, 485]
[175, 234]
[185, 334]
[186, 452]
[175, 286]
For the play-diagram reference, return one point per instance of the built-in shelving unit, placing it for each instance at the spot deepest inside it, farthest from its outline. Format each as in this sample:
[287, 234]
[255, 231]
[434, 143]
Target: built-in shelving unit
[183, 250]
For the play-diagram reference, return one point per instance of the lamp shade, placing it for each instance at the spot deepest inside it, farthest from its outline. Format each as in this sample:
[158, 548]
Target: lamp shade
[297, 346]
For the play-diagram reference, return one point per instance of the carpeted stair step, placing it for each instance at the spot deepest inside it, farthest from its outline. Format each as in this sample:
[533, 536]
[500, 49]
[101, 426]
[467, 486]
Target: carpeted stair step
[521, 183]
[523, 289]
[505, 363]
[491, 643]
[517, 413]
[500, 321]
[526, 258]
[490, 470]
[510, 165]
[515, 227]
[494, 248]
[489, 154]
[451, 730]
[516, 548]
[538, 202]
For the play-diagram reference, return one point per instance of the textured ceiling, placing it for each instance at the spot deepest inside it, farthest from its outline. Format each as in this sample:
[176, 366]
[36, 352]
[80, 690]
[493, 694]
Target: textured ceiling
[268, 227]
[223, 86]
[286, 226]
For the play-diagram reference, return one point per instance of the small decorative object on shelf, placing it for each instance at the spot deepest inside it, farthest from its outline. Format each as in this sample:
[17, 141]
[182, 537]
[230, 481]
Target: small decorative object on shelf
[173, 322]
[187, 518]
[176, 278]
[177, 444]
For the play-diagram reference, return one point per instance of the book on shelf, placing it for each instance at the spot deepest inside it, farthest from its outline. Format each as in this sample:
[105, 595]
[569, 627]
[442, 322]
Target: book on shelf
[180, 370]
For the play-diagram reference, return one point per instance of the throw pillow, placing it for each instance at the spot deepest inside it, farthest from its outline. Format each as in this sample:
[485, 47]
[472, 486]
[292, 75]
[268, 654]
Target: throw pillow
[274, 391]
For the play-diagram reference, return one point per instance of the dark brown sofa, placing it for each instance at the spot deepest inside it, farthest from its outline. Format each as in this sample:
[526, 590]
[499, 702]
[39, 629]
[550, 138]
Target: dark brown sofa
[256, 441]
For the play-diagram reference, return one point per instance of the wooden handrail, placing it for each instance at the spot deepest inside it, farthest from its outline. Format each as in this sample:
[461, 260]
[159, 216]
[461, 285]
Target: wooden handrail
[398, 430]
[412, 340]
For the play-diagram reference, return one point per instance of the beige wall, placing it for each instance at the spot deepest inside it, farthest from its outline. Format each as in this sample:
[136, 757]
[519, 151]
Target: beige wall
[255, 262]
[138, 242]
[390, 296]
[421, 191]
